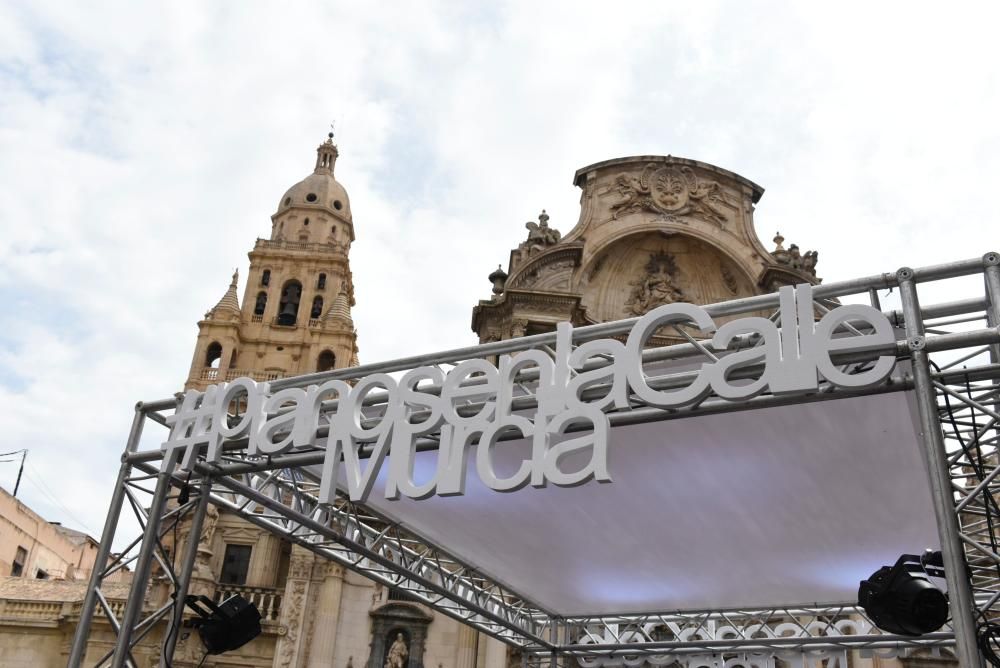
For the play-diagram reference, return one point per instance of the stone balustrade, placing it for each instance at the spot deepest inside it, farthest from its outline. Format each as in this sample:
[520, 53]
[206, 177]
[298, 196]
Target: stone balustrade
[267, 599]
[334, 247]
[30, 611]
[209, 373]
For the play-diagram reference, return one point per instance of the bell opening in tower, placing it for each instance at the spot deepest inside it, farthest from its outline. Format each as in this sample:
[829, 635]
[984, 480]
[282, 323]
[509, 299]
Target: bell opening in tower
[289, 307]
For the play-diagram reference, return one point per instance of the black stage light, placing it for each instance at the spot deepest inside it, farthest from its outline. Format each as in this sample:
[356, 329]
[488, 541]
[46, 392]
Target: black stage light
[225, 626]
[901, 600]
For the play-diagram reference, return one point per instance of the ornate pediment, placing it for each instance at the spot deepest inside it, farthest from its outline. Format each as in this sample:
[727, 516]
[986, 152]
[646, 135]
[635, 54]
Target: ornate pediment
[551, 270]
[672, 191]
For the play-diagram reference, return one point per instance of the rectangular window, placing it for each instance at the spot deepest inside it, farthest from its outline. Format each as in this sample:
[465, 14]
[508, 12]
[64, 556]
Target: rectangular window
[41, 575]
[17, 569]
[235, 565]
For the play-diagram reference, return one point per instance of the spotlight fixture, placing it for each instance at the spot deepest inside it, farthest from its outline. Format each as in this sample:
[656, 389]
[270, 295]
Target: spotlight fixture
[901, 600]
[225, 626]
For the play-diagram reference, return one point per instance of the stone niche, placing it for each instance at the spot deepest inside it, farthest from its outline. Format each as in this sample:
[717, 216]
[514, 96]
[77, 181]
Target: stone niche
[639, 272]
[395, 619]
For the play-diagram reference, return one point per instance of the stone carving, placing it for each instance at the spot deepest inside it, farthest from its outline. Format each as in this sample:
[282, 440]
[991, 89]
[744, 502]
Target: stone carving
[793, 258]
[597, 267]
[518, 327]
[670, 190]
[208, 528]
[398, 653]
[399, 634]
[295, 595]
[728, 279]
[539, 273]
[540, 233]
[540, 237]
[657, 287]
[300, 566]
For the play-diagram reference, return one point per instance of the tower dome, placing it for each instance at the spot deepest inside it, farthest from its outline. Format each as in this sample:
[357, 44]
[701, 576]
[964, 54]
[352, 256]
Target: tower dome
[320, 190]
[317, 195]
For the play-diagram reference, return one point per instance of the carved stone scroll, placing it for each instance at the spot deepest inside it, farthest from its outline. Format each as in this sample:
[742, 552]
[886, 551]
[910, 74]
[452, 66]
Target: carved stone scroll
[670, 190]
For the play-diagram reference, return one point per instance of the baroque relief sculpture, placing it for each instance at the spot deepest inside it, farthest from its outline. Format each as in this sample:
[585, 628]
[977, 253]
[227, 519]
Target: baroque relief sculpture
[670, 190]
[657, 287]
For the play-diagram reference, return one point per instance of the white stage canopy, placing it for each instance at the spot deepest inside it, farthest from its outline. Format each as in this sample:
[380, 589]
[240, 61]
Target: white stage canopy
[780, 506]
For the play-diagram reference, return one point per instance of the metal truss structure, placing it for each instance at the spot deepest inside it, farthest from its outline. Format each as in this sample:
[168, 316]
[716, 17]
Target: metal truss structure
[959, 406]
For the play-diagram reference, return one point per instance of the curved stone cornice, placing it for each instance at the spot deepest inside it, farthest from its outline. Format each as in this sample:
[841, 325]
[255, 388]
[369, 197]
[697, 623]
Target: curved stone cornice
[401, 610]
[580, 178]
[776, 275]
[558, 253]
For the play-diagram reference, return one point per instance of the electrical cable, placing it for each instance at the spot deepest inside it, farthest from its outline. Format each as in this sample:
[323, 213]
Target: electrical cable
[54, 499]
[988, 639]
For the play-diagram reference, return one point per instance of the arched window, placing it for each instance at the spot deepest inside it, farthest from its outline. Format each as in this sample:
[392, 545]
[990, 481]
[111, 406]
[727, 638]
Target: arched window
[321, 282]
[213, 356]
[288, 310]
[265, 277]
[261, 304]
[326, 361]
[317, 309]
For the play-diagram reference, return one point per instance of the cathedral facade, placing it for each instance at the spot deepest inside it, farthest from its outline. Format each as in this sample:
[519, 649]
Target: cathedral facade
[652, 230]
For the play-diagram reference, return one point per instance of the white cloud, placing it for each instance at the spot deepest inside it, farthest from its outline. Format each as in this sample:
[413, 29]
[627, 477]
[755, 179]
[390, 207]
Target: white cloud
[142, 150]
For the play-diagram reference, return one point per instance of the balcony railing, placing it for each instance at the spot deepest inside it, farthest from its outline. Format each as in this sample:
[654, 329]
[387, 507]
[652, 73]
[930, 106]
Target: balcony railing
[209, 373]
[303, 245]
[267, 599]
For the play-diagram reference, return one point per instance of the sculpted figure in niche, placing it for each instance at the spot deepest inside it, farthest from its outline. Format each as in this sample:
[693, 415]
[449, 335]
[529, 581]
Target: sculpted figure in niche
[396, 658]
[657, 287]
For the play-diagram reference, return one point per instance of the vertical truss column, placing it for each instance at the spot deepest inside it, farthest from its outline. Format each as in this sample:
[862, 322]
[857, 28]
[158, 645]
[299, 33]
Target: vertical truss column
[991, 276]
[150, 538]
[184, 576]
[87, 609]
[932, 440]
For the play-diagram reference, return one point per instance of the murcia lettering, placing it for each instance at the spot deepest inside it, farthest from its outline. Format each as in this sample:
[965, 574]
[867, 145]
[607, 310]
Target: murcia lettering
[471, 407]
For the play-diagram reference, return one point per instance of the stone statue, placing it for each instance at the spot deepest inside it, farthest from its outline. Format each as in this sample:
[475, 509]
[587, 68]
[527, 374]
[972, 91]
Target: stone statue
[208, 527]
[396, 658]
[657, 287]
[540, 234]
[793, 258]
[809, 261]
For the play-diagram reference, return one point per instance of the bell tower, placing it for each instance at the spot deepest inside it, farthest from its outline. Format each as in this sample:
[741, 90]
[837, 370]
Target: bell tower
[296, 312]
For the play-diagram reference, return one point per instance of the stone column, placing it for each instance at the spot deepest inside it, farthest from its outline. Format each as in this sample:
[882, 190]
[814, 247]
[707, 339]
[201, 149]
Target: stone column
[287, 652]
[496, 653]
[326, 616]
[465, 652]
[267, 556]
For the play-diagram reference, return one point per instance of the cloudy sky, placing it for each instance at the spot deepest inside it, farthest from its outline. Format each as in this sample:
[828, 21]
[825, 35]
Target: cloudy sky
[143, 148]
